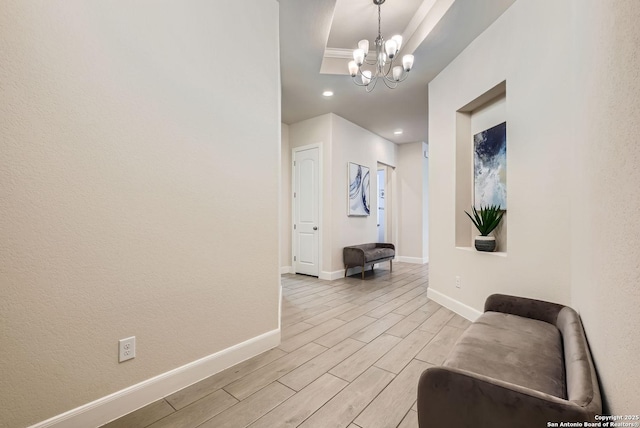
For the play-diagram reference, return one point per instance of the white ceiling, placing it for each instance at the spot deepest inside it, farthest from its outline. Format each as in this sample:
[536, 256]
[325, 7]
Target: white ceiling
[316, 35]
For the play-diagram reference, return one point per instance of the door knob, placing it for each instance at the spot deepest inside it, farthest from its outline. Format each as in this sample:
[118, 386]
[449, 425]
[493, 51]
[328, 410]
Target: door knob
[315, 227]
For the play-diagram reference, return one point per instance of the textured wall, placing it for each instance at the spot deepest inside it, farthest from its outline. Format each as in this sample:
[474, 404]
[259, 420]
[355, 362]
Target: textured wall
[606, 202]
[129, 161]
[342, 142]
[527, 47]
[573, 117]
[425, 201]
[410, 200]
[351, 143]
[285, 199]
[313, 131]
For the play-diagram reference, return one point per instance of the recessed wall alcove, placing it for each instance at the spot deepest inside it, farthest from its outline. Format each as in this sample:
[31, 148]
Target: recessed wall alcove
[485, 111]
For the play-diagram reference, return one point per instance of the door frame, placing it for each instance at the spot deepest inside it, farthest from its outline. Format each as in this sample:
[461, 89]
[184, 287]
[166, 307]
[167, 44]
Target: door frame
[390, 203]
[294, 247]
[381, 167]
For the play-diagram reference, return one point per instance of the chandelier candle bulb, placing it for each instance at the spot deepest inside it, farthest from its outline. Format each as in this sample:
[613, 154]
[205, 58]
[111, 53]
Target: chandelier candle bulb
[358, 56]
[398, 39]
[366, 77]
[364, 45]
[407, 62]
[353, 68]
[382, 59]
[391, 47]
[397, 73]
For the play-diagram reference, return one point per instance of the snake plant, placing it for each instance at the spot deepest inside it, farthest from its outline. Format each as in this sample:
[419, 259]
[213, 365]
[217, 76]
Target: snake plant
[486, 218]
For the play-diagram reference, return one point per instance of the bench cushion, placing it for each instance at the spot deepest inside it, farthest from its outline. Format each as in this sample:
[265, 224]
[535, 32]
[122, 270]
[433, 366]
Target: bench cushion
[378, 253]
[514, 349]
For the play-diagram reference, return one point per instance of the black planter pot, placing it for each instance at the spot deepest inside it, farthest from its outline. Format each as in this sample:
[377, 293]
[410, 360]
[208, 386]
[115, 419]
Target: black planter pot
[485, 243]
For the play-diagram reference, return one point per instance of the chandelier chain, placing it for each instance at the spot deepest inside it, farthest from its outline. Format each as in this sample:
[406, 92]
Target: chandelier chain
[379, 20]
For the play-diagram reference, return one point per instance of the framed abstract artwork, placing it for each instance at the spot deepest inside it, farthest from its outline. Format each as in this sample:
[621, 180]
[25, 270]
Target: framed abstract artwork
[359, 179]
[490, 167]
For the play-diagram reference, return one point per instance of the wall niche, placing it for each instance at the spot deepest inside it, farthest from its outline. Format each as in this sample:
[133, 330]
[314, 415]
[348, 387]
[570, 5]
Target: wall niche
[484, 112]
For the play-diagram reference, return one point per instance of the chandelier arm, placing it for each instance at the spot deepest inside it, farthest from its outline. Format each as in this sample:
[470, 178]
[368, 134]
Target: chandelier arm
[391, 84]
[372, 81]
[390, 64]
[402, 79]
[371, 86]
[358, 84]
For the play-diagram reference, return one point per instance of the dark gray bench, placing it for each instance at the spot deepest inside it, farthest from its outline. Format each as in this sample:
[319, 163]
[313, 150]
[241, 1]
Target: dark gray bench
[524, 363]
[368, 254]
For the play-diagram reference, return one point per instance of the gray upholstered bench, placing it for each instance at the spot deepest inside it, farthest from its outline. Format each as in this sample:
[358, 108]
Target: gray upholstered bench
[523, 363]
[368, 254]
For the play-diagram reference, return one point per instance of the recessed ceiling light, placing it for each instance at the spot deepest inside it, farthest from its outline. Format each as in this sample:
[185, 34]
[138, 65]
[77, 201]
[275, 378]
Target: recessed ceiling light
[398, 132]
[327, 94]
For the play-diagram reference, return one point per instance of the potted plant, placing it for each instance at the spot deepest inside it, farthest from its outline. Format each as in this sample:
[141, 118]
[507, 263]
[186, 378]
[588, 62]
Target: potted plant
[486, 220]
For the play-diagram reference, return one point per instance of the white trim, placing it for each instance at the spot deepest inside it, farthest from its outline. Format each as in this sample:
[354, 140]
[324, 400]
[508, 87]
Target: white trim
[425, 18]
[414, 260]
[458, 307]
[341, 53]
[491, 253]
[280, 309]
[331, 276]
[125, 401]
[320, 202]
[286, 269]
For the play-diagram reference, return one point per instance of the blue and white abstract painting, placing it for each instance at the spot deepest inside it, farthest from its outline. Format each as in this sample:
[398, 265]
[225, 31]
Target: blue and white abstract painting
[358, 190]
[490, 167]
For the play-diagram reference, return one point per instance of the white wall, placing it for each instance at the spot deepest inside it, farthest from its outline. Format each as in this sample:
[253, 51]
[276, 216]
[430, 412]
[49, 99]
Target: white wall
[532, 60]
[129, 164]
[285, 207]
[571, 107]
[351, 143]
[606, 197]
[342, 142]
[425, 202]
[411, 201]
[317, 130]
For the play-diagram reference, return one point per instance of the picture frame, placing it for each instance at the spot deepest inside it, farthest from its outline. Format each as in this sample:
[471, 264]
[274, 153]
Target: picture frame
[358, 190]
[490, 167]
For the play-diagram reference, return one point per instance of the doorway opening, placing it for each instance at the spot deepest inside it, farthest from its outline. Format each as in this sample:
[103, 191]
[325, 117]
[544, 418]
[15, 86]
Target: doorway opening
[385, 222]
[381, 204]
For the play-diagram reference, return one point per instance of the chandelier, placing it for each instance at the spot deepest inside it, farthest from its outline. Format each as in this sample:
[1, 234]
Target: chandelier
[382, 64]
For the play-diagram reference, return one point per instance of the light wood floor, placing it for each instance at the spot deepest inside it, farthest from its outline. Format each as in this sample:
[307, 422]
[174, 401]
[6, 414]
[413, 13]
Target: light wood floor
[351, 355]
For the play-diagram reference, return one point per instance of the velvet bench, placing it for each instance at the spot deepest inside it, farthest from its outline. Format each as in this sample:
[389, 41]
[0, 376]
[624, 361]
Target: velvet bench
[368, 254]
[523, 363]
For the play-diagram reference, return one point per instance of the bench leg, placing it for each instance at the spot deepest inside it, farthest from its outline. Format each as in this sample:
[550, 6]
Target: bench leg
[390, 266]
[363, 271]
[372, 267]
[346, 268]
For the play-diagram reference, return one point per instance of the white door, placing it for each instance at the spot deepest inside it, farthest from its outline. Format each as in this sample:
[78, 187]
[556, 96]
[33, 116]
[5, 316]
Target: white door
[306, 202]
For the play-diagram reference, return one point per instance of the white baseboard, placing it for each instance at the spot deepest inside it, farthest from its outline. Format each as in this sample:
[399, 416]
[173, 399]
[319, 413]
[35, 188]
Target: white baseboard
[286, 269]
[331, 276]
[458, 307]
[414, 260]
[120, 403]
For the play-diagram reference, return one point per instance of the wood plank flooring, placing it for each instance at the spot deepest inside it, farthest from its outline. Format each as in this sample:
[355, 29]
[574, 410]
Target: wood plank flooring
[351, 354]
